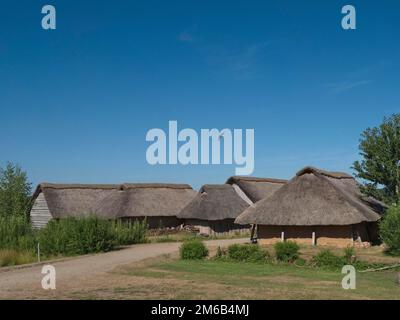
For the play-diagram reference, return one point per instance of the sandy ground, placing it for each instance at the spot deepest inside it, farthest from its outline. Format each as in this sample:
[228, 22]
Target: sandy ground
[74, 274]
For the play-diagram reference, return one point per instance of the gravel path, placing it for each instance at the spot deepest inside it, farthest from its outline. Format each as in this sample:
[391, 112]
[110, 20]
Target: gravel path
[72, 271]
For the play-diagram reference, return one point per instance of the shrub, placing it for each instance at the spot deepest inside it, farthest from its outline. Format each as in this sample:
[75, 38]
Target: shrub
[325, 258]
[247, 252]
[349, 254]
[72, 236]
[16, 233]
[389, 230]
[193, 249]
[287, 251]
[129, 232]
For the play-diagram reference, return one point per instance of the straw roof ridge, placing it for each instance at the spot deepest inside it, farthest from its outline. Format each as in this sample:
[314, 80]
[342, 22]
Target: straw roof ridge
[155, 185]
[316, 171]
[45, 185]
[235, 179]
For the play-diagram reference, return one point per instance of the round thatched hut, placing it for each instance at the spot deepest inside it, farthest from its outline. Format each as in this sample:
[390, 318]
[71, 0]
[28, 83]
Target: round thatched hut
[316, 207]
[214, 209]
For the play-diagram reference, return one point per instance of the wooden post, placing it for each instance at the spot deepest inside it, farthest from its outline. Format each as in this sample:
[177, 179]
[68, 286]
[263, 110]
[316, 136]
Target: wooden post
[38, 252]
[283, 236]
[313, 239]
[352, 235]
[253, 231]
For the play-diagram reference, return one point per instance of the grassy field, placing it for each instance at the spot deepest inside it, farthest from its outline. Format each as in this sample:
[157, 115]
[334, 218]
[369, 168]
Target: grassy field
[209, 279]
[168, 277]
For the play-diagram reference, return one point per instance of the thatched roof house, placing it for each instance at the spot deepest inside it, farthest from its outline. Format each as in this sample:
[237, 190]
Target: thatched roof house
[214, 209]
[254, 188]
[316, 206]
[160, 203]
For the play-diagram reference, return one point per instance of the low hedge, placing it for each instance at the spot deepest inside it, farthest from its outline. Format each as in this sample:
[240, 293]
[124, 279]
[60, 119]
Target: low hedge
[193, 249]
[247, 252]
[287, 251]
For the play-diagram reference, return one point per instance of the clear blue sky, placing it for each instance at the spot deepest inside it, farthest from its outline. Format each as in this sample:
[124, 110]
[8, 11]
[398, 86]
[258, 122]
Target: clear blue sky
[76, 103]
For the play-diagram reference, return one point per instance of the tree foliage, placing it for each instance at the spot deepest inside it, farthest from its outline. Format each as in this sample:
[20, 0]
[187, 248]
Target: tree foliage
[380, 165]
[389, 230]
[15, 190]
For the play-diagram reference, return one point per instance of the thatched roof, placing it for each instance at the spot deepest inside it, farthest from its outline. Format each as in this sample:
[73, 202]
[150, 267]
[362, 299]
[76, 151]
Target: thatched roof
[256, 188]
[139, 200]
[66, 200]
[214, 202]
[115, 201]
[314, 197]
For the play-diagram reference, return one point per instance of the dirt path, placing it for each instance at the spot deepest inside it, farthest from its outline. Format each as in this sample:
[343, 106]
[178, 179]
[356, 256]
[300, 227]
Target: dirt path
[26, 282]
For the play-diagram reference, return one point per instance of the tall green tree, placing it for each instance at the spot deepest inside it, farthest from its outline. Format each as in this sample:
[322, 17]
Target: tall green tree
[379, 168]
[15, 190]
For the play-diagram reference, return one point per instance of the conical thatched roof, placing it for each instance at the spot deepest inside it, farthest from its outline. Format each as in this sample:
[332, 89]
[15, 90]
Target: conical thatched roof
[214, 202]
[256, 188]
[115, 201]
[314, 197]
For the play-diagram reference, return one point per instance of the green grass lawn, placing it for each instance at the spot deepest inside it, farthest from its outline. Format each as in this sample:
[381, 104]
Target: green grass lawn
[212, 279]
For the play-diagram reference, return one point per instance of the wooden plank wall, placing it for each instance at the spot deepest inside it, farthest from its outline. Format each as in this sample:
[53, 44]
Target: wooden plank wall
[40, 213]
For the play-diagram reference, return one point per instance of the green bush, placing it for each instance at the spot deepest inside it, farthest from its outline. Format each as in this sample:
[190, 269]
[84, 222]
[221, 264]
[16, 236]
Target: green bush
[349, 254]
[75, 236]
[287, 251]
[128, 232]
[193, 250]
[326, 258]
[247, 252]
[389, 230]
[72, 236]
[16, 233]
